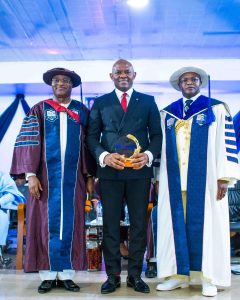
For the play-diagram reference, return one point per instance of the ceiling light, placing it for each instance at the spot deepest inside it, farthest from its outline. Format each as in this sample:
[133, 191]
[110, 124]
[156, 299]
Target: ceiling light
[137, 3]
[54, 52]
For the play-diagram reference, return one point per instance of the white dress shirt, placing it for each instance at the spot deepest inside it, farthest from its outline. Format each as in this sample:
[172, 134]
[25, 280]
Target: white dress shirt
[105, 153]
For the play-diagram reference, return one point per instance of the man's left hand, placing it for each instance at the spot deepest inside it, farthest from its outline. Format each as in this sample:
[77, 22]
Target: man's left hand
[222, 189]
[139, 160]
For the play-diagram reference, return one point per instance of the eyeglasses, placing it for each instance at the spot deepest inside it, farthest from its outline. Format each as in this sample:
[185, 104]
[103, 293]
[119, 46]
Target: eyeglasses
[64, 81]
[193, 79]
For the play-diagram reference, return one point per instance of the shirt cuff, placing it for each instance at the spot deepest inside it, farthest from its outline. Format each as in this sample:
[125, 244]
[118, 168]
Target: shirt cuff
[101, 159]
[27, 175]
[150, 158]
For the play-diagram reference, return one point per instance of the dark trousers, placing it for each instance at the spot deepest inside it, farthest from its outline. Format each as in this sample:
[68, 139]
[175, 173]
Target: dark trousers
[136, 194]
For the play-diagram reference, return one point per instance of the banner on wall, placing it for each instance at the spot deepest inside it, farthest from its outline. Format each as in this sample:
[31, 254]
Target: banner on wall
[8, 115]
[89, 102]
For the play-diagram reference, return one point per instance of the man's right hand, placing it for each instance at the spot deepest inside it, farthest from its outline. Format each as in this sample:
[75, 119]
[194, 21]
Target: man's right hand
[114, 160]
[34, 186]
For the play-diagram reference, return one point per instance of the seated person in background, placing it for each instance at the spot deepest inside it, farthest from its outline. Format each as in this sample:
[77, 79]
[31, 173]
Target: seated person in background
[9, 199]
[22, 186]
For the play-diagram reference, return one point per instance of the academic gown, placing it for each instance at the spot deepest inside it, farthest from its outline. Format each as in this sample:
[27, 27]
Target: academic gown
[55, 235]
[202, 242]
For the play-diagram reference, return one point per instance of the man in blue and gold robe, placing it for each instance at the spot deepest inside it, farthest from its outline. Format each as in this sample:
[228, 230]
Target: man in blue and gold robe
[199, 160]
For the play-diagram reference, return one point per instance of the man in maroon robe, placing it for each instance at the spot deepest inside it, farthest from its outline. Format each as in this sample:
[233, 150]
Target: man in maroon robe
[50, 151]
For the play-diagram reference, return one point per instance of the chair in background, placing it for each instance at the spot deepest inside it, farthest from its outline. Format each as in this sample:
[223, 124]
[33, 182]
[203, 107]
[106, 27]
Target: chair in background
[21, 232]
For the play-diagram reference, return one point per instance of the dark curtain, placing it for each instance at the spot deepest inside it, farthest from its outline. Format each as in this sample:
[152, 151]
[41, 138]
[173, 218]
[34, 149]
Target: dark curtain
[8, 115]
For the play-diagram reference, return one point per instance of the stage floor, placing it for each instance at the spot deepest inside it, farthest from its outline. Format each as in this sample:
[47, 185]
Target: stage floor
[19, 285]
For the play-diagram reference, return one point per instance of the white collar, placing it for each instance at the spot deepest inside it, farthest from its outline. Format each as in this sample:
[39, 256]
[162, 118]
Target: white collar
[192, 98]
[120, 93]
[63, 104]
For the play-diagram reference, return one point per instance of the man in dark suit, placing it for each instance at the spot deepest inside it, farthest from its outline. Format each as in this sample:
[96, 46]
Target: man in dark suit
[109, 121]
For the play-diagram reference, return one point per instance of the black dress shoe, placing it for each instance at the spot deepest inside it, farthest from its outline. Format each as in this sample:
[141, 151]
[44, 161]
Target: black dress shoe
[110, 285]
[151, 270]
[69, 285]
[46, 286]
[137, 284]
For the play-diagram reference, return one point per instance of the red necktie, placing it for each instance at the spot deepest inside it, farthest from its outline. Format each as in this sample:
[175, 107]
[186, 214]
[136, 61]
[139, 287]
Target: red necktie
[124, 102]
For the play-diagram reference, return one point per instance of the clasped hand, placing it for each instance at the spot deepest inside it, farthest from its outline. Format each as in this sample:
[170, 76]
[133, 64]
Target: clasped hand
[116, 161]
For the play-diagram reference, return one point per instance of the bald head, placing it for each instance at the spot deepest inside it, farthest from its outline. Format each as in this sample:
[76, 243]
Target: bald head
[123, 75]
[122, 62]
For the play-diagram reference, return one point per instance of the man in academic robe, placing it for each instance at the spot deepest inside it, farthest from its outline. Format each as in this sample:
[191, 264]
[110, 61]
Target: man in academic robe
[198, 161]
[50, 150]
[10, 197]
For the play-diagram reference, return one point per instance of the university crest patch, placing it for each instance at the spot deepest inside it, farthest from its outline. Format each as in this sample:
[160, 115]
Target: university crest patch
[201, 119]
[51, 115]
[170, 123]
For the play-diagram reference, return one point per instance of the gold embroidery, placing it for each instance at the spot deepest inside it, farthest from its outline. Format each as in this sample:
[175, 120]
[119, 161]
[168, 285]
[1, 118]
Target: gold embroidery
[180, 123]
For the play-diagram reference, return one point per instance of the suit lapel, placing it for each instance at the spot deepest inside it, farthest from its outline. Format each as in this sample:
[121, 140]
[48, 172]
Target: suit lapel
[117, 112]
[134, 101]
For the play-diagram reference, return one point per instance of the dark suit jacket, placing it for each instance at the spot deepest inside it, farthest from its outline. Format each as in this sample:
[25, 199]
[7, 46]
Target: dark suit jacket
[108, 122]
